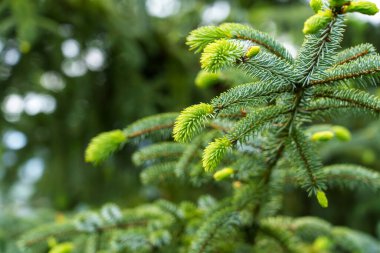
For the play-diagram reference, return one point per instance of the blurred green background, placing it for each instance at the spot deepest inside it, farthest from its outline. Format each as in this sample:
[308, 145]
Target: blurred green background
[70, 69]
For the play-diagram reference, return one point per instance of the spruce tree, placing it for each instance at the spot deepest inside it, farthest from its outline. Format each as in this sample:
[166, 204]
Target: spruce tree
[260, 137]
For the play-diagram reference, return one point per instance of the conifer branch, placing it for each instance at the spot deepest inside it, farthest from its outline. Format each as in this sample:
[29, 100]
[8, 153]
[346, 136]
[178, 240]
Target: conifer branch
[268, 68]
[218, 225]
[364, 70]
[63, 231]
[308, 166]
[247, 126]
[201, 37]
[249, 94]
[143, 132]
[159, 126]
[191, 152]
[235, 114]
[158, 152]
[317, 50]
[325, 107]
[311, 227]
[348, 97]
[244, 32]
[272, 227]
[158, 173]
[219, 126]
[223, 54]
[353, 53]
[272, 158]
[352, 176]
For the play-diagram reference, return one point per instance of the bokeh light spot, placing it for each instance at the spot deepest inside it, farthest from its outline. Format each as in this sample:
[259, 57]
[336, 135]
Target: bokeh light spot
[162, 8]
[14, 140]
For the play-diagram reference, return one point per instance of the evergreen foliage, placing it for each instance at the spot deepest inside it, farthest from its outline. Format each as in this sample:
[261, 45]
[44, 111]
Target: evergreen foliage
[103, 145]
[256, 133]
[190, 121]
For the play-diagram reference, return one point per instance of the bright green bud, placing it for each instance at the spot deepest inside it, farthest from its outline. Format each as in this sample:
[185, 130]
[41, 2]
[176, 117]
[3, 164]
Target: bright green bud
[342, 133]
[322, 136]
[25, 46]
[252, 51]
[322, 243]
[214, 153]
[191, 121]
[51, 242]
[322, 199]
[316, 5]
[62, 248]
[368, 156]
[237, 184]
[223, 173]
[338, 3]
[206, 79]
[104, 145]
[317, 22]
[221, 54]
[362, 7]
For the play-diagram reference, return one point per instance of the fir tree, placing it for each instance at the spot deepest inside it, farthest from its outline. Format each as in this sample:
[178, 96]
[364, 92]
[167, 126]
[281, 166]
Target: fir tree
[260, 136]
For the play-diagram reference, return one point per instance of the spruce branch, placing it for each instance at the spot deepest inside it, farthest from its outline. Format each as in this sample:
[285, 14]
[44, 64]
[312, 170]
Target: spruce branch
[308, 166]
[247, 33]
[364, 70]
[157, 173]
[219, 225]
[67, 230]
[310, 228]
[41, 234]
[353, 53]
[255, 120]
[249, 94]
[158, 152]
[235, 113]
[268, 68]
[272, 227]
[157, 127]
[354, 241]
[201, 37]
[352, 176]
[192, 152]
[323, 108]
[264, 66]
[317, 50]
[341, 98]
